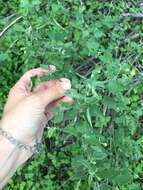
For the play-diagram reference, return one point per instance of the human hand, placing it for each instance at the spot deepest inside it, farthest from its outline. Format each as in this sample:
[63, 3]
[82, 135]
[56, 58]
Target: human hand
[27, 112]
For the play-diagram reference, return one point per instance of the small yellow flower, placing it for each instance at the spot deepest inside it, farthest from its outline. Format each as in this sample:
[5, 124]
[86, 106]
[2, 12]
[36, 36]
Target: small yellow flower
[133, 71]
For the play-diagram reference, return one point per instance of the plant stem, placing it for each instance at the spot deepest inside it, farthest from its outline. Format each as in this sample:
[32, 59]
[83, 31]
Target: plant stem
[9, 26]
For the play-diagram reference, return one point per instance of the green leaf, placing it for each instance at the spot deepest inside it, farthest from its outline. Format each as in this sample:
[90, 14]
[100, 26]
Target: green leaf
[70, 130]
[44, 66]
[51, 132]
[98, 153]
[114, 86]
[102, 121]
[35, 82]
[74, 94]
[59, 117]
[109, 101]
[134, 187]
[25, 7]
[89, 117]
[95, 111]
[123, 178]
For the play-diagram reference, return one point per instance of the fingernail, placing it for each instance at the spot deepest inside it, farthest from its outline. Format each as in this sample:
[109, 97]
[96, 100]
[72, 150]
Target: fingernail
[66, 84]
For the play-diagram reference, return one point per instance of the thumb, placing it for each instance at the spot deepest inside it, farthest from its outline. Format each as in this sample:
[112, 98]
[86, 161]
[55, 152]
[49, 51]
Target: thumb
[55, 92]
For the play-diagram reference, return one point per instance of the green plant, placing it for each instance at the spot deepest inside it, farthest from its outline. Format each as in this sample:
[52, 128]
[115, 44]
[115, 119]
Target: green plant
[97, 142]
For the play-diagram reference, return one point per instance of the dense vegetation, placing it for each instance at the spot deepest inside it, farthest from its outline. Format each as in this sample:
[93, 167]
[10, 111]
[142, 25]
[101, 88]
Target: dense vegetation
[96, 144]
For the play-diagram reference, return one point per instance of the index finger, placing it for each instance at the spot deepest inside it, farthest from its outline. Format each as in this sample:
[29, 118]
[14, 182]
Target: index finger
[25, 80]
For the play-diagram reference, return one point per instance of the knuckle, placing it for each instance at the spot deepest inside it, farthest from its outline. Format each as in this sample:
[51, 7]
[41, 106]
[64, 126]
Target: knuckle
[12, 91]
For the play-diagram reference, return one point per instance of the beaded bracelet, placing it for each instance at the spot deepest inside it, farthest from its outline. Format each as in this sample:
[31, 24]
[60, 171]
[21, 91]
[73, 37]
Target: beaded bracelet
[34, 149]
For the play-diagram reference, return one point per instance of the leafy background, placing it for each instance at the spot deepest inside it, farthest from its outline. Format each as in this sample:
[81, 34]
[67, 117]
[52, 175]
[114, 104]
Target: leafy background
[97, 143]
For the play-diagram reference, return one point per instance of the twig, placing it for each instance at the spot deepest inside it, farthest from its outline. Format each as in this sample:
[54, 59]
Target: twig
[9, 16]
[9, 26]
[105, 110]
[59, 24]
[13, 44]
[81, 76]
[134, 15]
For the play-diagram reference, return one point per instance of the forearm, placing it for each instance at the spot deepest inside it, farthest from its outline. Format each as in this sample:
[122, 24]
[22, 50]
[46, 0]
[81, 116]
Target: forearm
[11, 157]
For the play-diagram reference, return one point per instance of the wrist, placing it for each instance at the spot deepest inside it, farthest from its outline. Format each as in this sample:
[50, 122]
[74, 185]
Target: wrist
[13, 128]
[6, 146]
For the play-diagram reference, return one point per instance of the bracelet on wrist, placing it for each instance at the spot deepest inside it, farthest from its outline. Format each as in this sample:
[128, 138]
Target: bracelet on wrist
[34, 149]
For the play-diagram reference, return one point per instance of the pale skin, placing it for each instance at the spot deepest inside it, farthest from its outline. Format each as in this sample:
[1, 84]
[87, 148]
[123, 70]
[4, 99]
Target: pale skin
[25, 116]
